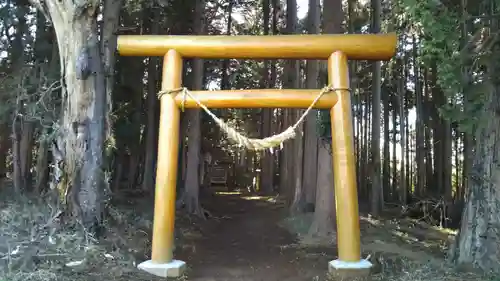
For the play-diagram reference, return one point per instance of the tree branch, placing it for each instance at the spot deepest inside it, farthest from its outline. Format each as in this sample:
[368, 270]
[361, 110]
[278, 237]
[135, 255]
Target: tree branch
[85, 6]
[40, 5]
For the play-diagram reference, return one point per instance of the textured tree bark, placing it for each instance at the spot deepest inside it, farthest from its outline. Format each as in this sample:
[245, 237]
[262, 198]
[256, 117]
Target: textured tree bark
[111, 16]
[190, 196]
[22, 153]
[477, 243]
[26, 145]
[322, 229]
[81, 131]
[298, 155]
[392, 188]
[42, 165]
[386, 166]
[153, 116]
[17, 178]
[293, 151]
[131, 80]
[310, 128]
[17, 57]
[376, 195]
[419, 139]
[267, 158]
[4, 148]
[403, 189]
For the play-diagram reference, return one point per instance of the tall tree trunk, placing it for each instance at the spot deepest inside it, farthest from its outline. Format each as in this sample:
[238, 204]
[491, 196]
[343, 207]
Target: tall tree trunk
[4, 147]
[26, 147]
[394, 182]
[322, 229]
[456, 152]
[289, 156]
[310, 130]
[152, 113]
[192, 184]
[81, 137]
[403, 189]
[467, 164]
[386, 171]
[407, 153]
[225, 81]
[366, 143]
[110, 18]
[225, 65]
[375, 149]
[47, 61]
[427, 110]
[294, 154]
[42, 164]
[21, 127]
[323, 225]
[447, 172]
[420, 164]
[478, 241]
[133, 76]
[267, 171]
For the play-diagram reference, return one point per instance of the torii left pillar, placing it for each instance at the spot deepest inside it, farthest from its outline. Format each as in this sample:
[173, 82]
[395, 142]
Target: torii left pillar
[162, 262]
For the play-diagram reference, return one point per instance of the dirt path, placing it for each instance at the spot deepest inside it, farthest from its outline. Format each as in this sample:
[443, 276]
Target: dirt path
[246, 243]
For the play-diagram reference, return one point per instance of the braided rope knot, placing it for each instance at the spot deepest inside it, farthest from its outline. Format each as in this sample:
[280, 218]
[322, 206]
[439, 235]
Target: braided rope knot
[242, 140]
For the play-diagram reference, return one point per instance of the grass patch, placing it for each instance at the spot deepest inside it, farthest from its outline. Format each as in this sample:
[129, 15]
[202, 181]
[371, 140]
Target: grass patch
[399, 251]
[36, 246]
[298, 225]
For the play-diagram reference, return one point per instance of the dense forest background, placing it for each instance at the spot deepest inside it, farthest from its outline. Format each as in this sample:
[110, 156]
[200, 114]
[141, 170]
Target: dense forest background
[79, 123]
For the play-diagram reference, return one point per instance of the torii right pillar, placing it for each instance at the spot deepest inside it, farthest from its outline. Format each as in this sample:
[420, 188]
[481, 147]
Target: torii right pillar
[349, 262]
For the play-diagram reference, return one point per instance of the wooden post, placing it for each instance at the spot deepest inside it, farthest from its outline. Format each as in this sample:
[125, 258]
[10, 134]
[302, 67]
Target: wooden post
[166, 171]
[344, 169]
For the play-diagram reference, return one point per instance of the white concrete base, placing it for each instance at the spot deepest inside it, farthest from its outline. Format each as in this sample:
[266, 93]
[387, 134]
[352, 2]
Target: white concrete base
[175, 268]
[359, 270]
[338, 264]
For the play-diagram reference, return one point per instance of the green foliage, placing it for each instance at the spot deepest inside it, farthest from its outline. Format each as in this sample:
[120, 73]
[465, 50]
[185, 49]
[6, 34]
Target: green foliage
[440, 41]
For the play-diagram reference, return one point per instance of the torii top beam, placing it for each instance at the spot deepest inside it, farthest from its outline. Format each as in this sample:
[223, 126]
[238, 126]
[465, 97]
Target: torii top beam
[304, 46]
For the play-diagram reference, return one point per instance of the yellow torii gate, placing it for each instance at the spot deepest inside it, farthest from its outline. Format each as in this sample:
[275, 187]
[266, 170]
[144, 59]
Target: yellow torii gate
[337, 49]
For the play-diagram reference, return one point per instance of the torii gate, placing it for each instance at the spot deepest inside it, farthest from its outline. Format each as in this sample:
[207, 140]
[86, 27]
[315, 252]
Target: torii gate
[337, 49]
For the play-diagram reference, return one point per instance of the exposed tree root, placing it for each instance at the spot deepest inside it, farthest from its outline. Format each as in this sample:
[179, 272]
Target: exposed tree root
[320, 234]
[193, 206]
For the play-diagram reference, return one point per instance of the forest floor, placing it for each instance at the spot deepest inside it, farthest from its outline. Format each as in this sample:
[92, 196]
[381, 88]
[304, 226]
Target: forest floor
[246, 238]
